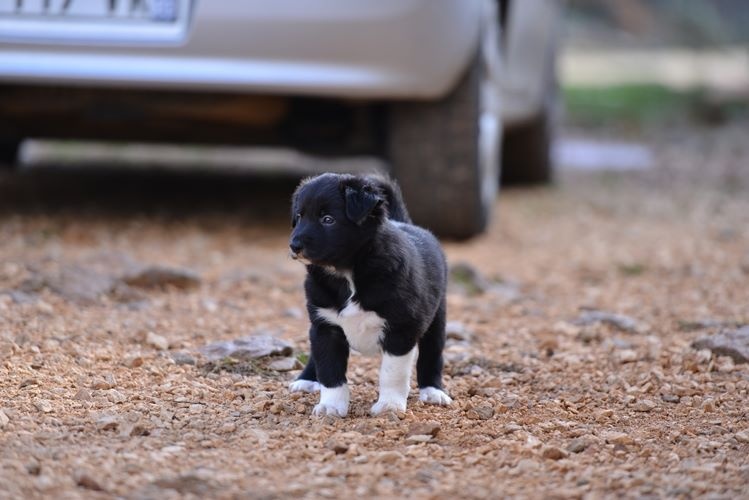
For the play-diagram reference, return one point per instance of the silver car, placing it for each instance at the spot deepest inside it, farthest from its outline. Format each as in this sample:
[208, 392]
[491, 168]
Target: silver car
[428, 84]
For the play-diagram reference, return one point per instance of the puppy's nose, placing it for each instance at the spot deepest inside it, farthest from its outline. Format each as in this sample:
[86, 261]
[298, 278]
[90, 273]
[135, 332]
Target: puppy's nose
[295, 246]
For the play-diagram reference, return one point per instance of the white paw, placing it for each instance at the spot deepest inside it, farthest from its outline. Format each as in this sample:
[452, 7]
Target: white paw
[386, 405]
[434, 396]
[333, 401]
[304, 386]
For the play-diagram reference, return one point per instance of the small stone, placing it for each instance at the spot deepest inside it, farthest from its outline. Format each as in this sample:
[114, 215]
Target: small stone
[285, 364]
[430, 428]
[388, 457]
[4, 420]
[626, 356]
[577, 445]
[250, 347]
[115, 396]
[101, 384]
[161, 277]
[485, 411]
[157, 341]
[82, 395]
[134, 361]
[84, 480]
[28, 382]
[708, 405]
[741, 437]
[183, 358]
[670, 398]
[619, 321]
[108, 423]
[614, 437]
[733, 343]
[553, 453]
[293, 312]
[43, 406]
[337, 446]
[456, 330]
[644, 405]
[419, 438]
[133, 430]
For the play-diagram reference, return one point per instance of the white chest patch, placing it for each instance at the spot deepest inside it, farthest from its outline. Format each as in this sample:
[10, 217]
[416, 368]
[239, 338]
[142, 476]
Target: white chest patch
[363, 329]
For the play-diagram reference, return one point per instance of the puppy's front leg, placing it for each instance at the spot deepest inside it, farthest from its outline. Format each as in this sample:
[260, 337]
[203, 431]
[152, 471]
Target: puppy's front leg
[330, 351]
[395, 382]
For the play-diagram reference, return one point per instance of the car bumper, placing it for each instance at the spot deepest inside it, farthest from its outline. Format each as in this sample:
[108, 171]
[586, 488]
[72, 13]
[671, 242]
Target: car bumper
[357, 49]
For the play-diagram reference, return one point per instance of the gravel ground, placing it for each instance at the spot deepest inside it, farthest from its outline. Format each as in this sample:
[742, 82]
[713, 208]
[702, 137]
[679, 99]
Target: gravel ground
[570, 357]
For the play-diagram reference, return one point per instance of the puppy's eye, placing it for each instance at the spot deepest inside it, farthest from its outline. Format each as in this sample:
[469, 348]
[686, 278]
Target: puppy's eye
[327, 219]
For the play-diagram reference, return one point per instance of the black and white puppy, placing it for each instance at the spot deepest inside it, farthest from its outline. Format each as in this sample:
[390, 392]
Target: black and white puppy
[375, 283]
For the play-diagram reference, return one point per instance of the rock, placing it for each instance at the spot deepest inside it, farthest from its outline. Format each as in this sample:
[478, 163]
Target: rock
[157, 341]
[626, 356]
[614, 437]
[101, 384]
[732, 343]
[457, 331]
[137, 429]
[84, 480]
[337, 446]
[467, 278]
[134, 361]
[419, 438]
[670, 398]
[700, 324]
[108, 423]
[708, 405]
[644, 405]
[4, 420]
[429, 428]
[484, 411]
[75, 283]
[553, 453]
[741, 437]
[577, 445]
[388, 457]
[182, 358]
[285, 364]
[160, 277]
[115, 396]
[28, 382]
[251, 347]
[620, 321]
[43, 405]
[82, 395]
[186, 484]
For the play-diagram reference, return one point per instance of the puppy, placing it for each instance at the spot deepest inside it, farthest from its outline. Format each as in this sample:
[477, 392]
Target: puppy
[375, 283]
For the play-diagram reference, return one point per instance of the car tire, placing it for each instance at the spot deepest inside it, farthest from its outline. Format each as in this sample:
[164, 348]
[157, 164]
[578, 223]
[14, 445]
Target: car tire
[445, 155]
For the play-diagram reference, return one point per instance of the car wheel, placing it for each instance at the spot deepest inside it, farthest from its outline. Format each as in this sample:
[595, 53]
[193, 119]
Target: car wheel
[445, 154]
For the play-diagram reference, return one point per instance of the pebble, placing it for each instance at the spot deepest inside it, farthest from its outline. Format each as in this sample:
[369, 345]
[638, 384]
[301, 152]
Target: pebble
[285, 364]
[157, 341]
[614, 437]
[250, 347]
[4, 420]
[82, 395]
[134, 361]
[456, 330]
[429, 428]
[419, 438]
[733, 343]
[741, 437]
[577, 445]
[43, 405]
[644, 405]
[84, 480]
[338, 447]
[670, 398]
[183, 358]
[388, 457]
[101, 384]
[553, 453]
[160, 277]
[293, 312]
[620, 321]
[626, 356]
[108, 423]
[115, 396]
[708, 405]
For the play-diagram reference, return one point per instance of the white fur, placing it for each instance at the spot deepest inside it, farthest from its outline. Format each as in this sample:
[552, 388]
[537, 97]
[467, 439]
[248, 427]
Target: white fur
[395, 382]
[333, 401]
[363, 329]
[434, 396]
[304, 386]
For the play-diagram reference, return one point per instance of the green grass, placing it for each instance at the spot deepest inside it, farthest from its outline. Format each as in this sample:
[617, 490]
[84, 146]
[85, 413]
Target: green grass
[645, 104]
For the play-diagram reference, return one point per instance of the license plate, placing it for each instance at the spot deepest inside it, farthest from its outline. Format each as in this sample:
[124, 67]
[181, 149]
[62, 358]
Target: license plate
[94, 20]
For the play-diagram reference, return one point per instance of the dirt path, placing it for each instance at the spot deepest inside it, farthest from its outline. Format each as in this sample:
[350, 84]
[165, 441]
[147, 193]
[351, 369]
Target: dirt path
[103, 393]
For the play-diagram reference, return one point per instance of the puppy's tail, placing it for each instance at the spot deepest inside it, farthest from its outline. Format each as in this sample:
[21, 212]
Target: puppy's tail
[397, 210]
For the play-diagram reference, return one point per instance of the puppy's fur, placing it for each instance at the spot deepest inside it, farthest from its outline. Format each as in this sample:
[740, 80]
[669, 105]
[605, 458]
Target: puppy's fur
[375, 283]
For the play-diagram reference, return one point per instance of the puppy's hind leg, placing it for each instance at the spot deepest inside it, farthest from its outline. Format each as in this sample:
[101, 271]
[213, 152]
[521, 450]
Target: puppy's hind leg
[429, 364]
[307, 380]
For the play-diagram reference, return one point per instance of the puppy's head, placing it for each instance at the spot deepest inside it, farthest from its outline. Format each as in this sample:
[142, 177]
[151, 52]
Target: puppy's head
[332, 216]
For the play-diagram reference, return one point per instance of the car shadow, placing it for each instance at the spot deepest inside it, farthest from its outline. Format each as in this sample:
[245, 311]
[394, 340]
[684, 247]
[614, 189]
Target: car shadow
[246, 197]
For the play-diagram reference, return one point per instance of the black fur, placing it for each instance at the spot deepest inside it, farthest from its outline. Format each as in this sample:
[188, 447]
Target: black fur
[398, 271]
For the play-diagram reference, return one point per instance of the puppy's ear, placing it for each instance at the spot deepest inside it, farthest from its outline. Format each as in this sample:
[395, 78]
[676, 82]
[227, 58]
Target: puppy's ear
[361, 202]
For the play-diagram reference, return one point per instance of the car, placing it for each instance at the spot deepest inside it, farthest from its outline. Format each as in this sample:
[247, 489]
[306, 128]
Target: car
[430, 85]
